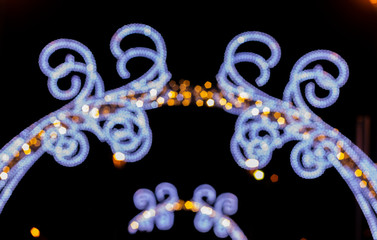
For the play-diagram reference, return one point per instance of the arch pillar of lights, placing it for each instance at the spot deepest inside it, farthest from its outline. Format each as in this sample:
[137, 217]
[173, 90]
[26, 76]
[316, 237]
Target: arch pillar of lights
[319, 146]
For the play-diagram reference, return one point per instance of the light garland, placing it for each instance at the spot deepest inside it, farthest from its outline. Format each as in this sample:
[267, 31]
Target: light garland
[265, 123]
[206, 217]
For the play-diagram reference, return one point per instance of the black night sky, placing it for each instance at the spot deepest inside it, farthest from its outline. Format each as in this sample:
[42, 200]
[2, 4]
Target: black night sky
[190, 144]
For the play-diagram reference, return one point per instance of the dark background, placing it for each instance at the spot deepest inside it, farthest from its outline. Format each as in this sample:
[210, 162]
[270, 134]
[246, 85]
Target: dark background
[190, 145]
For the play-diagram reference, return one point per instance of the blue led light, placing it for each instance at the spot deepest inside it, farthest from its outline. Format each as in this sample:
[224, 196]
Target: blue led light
[118, 117]
[206, 217]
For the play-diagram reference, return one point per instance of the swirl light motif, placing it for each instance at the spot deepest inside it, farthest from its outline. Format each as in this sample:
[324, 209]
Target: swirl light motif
[110, 115]
[206, 216]
[264, 123]
[268, 123]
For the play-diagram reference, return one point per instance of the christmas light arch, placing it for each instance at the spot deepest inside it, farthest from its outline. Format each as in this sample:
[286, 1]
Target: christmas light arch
[264, 123]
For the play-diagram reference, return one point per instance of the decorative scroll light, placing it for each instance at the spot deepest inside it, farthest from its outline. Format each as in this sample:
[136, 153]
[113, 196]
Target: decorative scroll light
[206, 217]
[265, 123]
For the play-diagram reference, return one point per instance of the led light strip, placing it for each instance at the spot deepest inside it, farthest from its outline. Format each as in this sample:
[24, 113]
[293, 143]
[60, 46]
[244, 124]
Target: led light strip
[264, 123]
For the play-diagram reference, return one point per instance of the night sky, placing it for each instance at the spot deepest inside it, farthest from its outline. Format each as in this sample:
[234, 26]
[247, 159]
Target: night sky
[190, 144]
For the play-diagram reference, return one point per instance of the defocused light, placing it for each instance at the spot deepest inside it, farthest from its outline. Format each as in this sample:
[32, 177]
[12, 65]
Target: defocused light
[210, 102]
[208, 85]
[358, 173]
[274, 178]
[374, 2]
[252, 163]
[189, 205]
[363, 184]
[134, 225]
[3, 175]
[199, 103]
[119, 156]
[258, 175]
[281, 120]
[35, 232]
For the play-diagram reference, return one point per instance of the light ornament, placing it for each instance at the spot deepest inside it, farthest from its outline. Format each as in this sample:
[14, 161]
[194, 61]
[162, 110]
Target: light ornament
[206, 218]
[264, 124]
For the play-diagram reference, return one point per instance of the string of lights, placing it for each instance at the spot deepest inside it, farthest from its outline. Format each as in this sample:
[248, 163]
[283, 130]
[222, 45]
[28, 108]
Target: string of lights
[119, 117]
[206, 217]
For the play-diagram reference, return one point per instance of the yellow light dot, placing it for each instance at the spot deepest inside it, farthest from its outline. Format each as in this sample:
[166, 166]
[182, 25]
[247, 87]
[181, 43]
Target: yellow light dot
[199, 103]
[210, 102]
[119, 156]
[266, 110]
[252, 163]
[228, 106]
[134, 225]
[258, 175]
[171, 102]
[281, 120]
[186, 94]
[35, 232]
[208, 85]
[56, 123]
[358, 173]
[240, 99]
[222, 101]
[203, 94]
[160, 100]
[374, 2]
[258, 103]
[188, 205]
[363, 184]
[340, 156]
[277, 115]
[172, 94]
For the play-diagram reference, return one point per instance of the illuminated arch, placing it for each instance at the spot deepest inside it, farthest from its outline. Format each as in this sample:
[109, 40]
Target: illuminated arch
[265, 123]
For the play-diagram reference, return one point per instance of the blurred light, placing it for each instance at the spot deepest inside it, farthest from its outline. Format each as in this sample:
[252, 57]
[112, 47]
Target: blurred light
[358, 173]
[228, 106]
[274, 178]
[222, 101]
[374, 2]
[85, 108]
[210, 102]
[225, 222]
[35, 232]
[119, 156]
[281, 120]
[199, 103]
[171, 102]
[255, 111]
[266, 110]
[3, 176]
[208, 85]
[258, 175]
[340, 156]
[258, 103]
[139, 103]
[203, 94]
[186, 102]
[160, 100]
[206, 210]
[134, 225]
[363, 184]
[188, 205]
[197, 88]
[252, 163]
